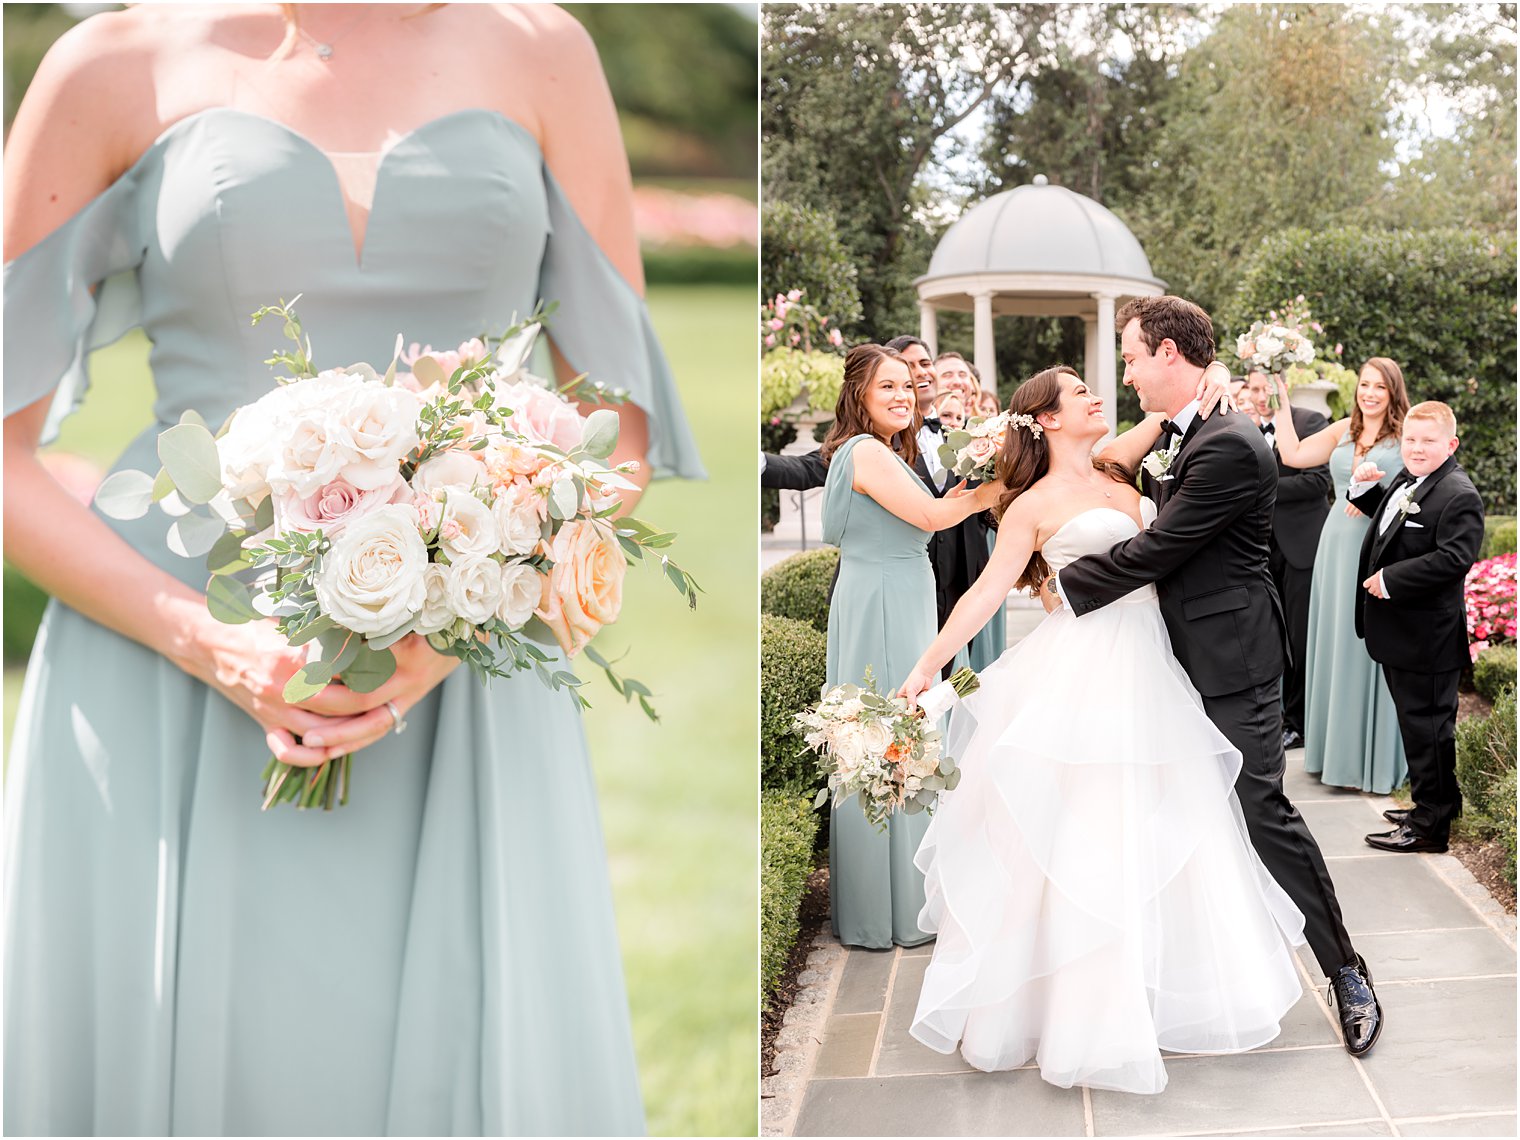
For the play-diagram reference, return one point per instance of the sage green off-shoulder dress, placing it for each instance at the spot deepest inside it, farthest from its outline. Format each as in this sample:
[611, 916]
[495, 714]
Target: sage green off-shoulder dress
[882, 617]
[438, 957]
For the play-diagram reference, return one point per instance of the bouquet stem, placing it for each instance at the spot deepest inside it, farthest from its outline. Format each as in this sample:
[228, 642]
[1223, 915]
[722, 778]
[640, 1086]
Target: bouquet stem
[321, 785]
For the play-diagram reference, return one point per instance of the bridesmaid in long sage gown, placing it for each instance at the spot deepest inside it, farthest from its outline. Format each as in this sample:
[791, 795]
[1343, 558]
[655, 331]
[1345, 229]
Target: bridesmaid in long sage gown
[439, 956]
[1351, 731]
[881, 618]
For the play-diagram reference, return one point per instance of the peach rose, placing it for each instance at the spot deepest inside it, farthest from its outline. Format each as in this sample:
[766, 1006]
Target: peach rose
[584, 591]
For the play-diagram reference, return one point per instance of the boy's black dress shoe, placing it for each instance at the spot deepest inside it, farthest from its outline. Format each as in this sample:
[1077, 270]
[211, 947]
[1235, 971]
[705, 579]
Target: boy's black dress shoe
[1360, 1012]
[1403, 840]
[1397, 815]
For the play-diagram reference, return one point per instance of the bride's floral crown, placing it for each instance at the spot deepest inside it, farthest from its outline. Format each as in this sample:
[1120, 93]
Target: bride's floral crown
[1024, 420]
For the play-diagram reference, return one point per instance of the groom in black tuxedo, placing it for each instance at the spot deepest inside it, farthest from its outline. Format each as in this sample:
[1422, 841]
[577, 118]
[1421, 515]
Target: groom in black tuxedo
[1215, 484]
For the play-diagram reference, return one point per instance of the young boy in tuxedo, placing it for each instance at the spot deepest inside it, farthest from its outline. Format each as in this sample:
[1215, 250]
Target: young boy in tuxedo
[1427, 527]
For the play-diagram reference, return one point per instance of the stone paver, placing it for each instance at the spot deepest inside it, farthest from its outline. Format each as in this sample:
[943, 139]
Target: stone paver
[1442, 952]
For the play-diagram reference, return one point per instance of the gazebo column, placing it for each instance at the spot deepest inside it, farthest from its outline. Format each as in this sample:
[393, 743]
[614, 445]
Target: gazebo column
[1090, 352]
[1108, 386]
[986, 351]
[928, 326]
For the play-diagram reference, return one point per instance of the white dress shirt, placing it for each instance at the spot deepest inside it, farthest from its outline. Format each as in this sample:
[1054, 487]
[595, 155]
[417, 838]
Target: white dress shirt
[1390, 512]
[928, 447]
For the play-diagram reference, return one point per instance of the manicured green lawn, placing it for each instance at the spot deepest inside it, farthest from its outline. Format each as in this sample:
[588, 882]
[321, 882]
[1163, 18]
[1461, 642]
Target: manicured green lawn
[679, 800]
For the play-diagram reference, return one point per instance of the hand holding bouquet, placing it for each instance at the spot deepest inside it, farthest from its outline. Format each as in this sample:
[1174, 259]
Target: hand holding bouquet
[466, 501]
[877, 748]
[1276, 344]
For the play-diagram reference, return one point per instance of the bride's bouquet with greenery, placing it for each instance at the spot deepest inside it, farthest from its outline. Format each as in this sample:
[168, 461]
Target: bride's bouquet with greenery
[464, 500]
[971, 452]
[878, 749]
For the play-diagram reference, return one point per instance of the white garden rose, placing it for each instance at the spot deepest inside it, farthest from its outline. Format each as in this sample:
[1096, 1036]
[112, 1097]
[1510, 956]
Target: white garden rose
[519, 511]
[448, 468]
[474, 588]
[877, 737]
[372, 580]
[465, 526]
[308, 455]
[436, 615]
[520, 591]
[849, 744]
[377, 426]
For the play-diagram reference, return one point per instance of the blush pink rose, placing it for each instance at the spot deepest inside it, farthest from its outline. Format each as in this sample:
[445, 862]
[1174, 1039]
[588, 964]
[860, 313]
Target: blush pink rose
[584, 591]
[541, 415]
[333, 506]
[981, 449]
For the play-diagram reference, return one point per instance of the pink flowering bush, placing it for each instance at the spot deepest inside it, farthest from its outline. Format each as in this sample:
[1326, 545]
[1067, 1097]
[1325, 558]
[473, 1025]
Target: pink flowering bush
[666, 218]
[1491, 602]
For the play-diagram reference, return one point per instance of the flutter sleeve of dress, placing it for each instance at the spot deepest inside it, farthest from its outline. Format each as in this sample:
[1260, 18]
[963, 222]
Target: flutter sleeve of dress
[72, 292]
[603, 329]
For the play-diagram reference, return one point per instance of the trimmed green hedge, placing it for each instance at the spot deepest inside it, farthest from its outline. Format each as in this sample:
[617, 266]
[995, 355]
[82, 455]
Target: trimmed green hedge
[1498, 536]
[1440, 302]
[1494, 671]
[787, 826]
[793, 663]
[1486, 773]
[798, 587]
[700, 265]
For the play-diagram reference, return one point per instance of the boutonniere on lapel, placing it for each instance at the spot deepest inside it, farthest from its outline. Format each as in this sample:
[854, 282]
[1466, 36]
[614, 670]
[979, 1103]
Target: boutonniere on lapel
[1159, 463]
[1408, 507]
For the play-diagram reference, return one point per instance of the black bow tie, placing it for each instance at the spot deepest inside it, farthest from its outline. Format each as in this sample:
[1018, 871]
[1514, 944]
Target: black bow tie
[1170, 428]
[1265, 428]
[933, 425]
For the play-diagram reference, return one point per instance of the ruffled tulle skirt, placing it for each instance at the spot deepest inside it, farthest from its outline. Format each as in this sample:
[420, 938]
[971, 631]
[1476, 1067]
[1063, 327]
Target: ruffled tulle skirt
[1094, 893]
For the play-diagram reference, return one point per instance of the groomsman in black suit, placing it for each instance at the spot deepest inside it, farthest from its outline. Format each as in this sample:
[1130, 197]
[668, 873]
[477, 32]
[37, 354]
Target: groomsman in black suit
[960, 553]
[1427, 528]
[1215, 482]
[1303, 502]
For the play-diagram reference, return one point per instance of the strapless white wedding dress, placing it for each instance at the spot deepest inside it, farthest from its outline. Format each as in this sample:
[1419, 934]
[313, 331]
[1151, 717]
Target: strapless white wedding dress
[1094, 893]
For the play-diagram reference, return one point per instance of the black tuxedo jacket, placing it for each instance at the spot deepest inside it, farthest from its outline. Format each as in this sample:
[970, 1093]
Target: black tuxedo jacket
[1303, 498]
[1207, 554]
[794, 472]
[959, 554]
[1424, 557]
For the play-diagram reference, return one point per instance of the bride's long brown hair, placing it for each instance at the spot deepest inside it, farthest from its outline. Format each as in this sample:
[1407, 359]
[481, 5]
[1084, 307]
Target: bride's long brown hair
[1025, 457]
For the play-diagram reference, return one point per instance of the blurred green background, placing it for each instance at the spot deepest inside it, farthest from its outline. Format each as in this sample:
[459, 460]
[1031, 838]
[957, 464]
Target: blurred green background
[678, 798]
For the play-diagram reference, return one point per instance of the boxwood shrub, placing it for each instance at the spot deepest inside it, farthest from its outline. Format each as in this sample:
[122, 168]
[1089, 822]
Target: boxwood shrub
[787, 824]
[798, 587]
[792, 668]
[1494, 671]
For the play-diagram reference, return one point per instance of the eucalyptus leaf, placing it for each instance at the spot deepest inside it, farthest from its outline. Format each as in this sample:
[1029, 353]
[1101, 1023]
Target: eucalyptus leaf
[389, 639]
[162, 484]
[174, 505]
[229, 601]
[191, 416]
[194, 535]
[188, 453]
[308, 681]
[563, 499]
[226, 555]
[600, 435]
[312, 630]
[428, 372]
[263, 515]
[125, 495]
[369, 670]
[952, 780]
[946, 765]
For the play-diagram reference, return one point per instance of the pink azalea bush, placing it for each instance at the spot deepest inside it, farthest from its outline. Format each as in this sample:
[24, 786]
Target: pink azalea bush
[1491, 602]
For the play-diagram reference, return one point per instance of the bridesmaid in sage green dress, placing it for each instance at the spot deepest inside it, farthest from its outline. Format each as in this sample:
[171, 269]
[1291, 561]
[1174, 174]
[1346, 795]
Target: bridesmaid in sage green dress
[439, 956]
[880, 515]
[1351, 730]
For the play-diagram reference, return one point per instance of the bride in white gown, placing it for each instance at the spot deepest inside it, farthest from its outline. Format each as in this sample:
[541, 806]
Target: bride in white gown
[1094, 893]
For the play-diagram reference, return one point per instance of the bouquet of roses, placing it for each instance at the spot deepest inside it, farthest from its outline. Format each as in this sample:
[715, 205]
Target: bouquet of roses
[1490, 598]
[971, 452]
[1277, 343]
[465, 500]
[874, 747]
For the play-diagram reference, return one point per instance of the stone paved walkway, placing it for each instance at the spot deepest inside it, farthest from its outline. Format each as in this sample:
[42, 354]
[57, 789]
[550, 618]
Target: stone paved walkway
[1442, 951]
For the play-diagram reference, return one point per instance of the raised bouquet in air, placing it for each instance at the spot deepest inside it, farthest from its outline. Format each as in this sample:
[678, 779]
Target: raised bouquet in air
[971, 452]
[461, 499]
[876, 748]
[1277, 343]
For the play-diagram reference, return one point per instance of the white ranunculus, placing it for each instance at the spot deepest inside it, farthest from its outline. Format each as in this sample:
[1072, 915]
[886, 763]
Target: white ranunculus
[519, 513]
[474, 589]
[877, 738]
[372, 580]
[465, 526]
[448, 468]
[520, 591]
[251, 445]
[436, 614]
[377, 426]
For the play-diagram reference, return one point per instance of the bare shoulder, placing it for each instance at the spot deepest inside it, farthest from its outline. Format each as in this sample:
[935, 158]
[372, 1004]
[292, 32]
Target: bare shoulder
[543, 42]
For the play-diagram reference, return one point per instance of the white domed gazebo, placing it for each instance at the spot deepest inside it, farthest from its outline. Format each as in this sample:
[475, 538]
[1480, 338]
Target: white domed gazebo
[1037, 251]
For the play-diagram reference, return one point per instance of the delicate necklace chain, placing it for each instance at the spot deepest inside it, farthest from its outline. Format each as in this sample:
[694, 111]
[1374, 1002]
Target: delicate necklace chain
[324, 48]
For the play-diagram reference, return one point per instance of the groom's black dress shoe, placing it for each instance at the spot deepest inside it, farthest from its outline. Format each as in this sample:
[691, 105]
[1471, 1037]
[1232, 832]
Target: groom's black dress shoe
[1361, 1015]
[1402, 839]
[1292, 738]
[1397, 815]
